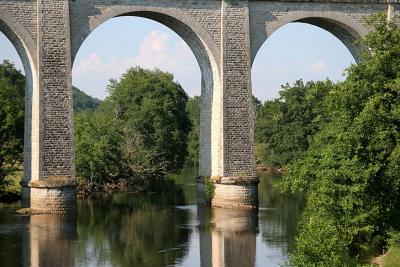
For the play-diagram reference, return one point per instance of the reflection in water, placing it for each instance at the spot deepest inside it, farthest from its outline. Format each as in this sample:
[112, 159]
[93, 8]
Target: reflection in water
[229, 238]
[50, 241]
[164, 228]
[279, 214]
[132, 230]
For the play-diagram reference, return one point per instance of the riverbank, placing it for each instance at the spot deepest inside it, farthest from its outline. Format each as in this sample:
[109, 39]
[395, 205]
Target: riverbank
[13, 188]
[392, 258]
[85, 189]
[270, 169]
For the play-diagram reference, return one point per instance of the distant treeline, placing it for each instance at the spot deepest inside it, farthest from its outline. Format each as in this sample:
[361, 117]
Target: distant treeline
[84, 102]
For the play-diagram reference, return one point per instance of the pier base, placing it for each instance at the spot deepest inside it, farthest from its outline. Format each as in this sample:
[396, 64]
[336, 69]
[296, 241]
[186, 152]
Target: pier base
[49, 196]
[230, 192]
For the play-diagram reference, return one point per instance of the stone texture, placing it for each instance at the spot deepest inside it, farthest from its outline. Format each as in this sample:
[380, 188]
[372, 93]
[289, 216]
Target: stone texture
[224, 35]
[52, 200]
[235, 195]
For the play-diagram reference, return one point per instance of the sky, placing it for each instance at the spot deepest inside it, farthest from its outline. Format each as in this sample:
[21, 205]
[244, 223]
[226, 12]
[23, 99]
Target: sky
[295, 51]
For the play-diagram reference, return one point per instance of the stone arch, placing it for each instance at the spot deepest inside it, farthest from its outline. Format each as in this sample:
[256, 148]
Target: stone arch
[207, 54]
[342, 26]
[25, 46]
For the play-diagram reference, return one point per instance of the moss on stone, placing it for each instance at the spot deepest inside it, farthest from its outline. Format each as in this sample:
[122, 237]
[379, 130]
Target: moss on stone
[209, 188]
[28, 211]
[53, 182]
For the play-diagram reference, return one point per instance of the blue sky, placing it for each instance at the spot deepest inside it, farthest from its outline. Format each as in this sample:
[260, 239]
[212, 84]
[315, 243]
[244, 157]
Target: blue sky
[295, 51]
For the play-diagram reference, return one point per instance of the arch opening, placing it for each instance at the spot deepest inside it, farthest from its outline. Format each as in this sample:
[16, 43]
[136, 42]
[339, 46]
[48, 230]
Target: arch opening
[341, 31]
[342, 26]
[297, 51]
[23, 44]
[205, 54]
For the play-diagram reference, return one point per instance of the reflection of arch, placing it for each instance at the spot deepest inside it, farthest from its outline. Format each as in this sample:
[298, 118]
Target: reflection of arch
[342, 26]
[26, 47]
[207, 54]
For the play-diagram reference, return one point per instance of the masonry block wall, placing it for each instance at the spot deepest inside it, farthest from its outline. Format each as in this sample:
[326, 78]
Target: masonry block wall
[56, 89]
[224, 35]
[236, 69]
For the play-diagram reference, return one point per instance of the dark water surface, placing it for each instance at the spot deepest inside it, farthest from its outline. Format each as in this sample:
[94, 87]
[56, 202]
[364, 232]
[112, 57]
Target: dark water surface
[159, 229]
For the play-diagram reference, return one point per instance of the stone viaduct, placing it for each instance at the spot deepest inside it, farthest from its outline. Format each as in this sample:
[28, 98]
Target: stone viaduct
[224, 35]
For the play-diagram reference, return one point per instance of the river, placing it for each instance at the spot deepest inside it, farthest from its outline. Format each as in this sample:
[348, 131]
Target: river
[166, 228]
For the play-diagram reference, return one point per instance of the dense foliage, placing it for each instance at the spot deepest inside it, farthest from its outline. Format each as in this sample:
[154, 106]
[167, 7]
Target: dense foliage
[139, 133]
[193, 110]
[12, 104]
[351, 170]
[82, 101]
[283, 126]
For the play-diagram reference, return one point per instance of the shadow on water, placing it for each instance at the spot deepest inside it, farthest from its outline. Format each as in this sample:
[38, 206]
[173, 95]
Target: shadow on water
[164, 227]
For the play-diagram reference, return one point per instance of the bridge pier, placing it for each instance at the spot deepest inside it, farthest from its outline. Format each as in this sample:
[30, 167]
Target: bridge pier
[235, 193]
[49, 181]
[56, 197]
[237, 185]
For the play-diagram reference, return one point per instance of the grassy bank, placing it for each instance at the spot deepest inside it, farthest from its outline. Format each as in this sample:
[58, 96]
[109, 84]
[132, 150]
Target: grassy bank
[392, 258]
[12, 191]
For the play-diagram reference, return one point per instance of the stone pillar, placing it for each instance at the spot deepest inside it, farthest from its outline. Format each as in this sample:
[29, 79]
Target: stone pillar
[237, 185]
[51, 188]
[391, 9]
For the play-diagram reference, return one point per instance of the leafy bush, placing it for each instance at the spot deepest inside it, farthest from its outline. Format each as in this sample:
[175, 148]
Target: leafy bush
[209, 188]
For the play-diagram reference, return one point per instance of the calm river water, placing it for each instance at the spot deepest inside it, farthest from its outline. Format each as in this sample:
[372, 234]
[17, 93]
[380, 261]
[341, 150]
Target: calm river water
[160, 229]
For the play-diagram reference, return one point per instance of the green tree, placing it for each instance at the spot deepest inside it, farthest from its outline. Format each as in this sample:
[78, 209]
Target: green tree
[283, 126]
[193, 110]
[351, 171]
[12, 103]
[97, 144]
[138, 133]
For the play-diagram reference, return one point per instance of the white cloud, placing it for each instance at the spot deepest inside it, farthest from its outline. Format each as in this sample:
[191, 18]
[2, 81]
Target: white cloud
[157, 50]
[93, 63]
[318, 67]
